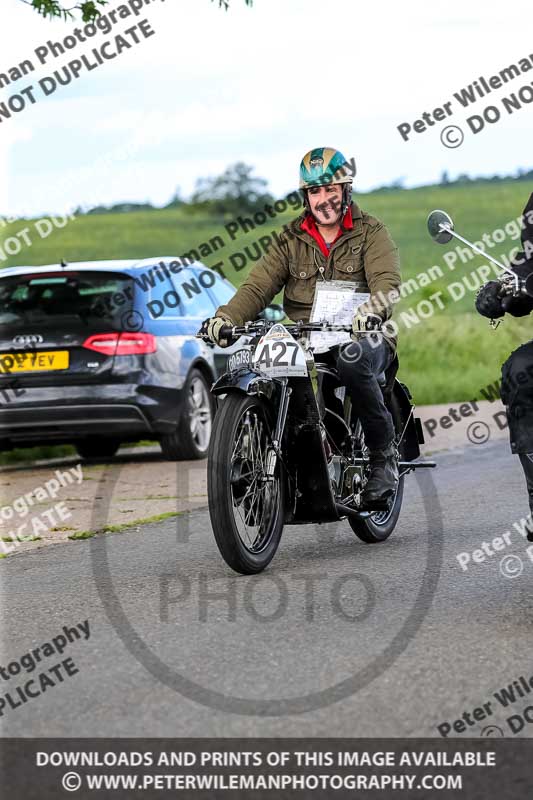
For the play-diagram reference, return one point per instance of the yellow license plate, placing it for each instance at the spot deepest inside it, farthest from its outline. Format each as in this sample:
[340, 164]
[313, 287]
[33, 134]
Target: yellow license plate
[34, 362]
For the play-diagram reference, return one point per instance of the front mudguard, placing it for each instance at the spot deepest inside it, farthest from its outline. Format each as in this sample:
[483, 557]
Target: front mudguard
[246, 381]
[314, 501]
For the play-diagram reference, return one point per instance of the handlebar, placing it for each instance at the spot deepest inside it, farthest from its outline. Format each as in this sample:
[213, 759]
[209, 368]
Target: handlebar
[296, 329]
[510, 288]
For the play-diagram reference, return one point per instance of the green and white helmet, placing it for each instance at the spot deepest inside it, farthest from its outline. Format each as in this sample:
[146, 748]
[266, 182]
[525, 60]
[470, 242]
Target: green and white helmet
[322, 166]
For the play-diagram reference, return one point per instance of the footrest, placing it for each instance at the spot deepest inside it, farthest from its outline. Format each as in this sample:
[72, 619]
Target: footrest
[417, 464]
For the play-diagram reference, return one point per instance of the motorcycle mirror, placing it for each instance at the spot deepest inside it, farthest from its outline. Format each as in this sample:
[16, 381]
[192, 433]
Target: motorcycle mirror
[436, 220]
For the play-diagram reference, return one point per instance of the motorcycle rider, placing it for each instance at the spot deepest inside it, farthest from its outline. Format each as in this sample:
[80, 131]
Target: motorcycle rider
[334, 239]
[517, 373]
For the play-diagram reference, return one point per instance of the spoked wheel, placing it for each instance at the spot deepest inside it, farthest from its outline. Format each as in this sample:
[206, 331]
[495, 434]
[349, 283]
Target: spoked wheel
[377, 527]
[246, 504]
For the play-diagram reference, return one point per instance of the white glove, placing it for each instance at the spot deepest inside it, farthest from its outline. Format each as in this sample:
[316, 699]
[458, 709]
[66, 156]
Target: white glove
[365, 321]
[211, 328]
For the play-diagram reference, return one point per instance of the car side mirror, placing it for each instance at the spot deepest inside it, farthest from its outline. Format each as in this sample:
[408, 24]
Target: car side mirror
[272, 313]
[437, 223]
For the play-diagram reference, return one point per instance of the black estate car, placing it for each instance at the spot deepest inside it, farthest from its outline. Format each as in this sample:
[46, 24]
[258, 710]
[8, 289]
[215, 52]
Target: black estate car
[103, 352]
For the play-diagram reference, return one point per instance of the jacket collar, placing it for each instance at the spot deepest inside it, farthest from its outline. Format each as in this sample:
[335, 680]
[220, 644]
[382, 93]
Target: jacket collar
[309, 225]
[295, 228]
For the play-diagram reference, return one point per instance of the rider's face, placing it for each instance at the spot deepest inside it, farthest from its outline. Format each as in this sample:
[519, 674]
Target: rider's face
[325, 202]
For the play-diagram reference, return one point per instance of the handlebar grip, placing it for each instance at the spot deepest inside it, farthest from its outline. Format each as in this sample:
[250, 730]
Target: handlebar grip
[373, 324]
[225, 332]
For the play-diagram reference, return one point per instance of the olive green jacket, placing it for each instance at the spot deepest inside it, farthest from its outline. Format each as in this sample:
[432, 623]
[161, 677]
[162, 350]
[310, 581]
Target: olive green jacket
[365, 254]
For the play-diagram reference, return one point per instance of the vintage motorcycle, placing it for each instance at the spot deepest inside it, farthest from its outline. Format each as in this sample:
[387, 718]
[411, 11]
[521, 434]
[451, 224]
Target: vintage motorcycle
[287, 449]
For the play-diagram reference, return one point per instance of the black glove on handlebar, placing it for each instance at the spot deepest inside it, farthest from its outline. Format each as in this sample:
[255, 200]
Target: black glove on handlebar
[489, 302]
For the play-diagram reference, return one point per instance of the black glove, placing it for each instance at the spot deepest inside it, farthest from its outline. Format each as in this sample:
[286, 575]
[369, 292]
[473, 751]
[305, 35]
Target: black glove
[523, 305]
[488, 301]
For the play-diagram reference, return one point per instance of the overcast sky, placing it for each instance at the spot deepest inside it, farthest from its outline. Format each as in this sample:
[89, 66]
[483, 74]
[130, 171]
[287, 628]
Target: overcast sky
[262, 85]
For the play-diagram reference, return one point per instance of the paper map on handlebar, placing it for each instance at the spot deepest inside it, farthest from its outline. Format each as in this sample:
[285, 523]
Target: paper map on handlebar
[335, 302]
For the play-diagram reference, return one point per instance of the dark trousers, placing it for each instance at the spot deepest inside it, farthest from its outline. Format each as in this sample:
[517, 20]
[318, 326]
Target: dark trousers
[359, 364]
[517, 395]
[527, 463]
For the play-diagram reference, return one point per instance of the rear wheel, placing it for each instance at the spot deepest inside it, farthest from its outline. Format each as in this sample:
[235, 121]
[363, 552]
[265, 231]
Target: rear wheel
[191, 438]
[97, 448]
[246, 504]
[378, 526]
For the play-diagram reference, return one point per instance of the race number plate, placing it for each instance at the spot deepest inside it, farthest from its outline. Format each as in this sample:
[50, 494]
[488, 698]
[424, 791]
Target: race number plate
[241, 358]
[279, 355]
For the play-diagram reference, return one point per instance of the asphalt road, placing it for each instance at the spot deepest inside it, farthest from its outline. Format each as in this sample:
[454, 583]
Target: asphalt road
[338, 638]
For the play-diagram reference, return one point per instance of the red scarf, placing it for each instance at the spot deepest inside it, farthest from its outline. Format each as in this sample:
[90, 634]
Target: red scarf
[309, 225]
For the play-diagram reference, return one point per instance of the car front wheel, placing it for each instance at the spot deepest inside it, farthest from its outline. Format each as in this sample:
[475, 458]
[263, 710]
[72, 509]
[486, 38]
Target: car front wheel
[191, 438]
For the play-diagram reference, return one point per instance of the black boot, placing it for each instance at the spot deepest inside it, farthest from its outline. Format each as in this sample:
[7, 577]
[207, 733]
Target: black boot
[527, 464]
[383, 479]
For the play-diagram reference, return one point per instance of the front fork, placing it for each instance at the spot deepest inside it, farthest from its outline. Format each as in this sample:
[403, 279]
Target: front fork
[273, 452]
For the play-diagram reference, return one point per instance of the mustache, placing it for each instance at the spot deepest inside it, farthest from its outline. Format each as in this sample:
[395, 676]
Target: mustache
[329, 208]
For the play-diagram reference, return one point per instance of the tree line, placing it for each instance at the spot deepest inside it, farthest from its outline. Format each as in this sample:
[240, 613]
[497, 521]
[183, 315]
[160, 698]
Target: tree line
[238, 191]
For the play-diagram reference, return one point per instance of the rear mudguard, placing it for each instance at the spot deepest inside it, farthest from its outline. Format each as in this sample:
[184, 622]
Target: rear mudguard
[413, 436]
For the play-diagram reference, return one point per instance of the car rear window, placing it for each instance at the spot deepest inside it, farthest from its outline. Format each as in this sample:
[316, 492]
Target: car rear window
[42, 297]
[182, 297]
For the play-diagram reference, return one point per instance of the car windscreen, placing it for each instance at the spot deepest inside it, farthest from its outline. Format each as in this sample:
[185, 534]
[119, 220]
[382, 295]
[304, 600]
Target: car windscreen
[54, 297]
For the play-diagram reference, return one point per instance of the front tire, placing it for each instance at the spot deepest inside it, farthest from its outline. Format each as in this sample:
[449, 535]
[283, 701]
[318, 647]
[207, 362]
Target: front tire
[246, 507]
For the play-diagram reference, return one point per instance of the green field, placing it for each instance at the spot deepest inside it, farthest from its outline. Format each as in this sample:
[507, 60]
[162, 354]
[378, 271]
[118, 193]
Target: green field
[445, 358]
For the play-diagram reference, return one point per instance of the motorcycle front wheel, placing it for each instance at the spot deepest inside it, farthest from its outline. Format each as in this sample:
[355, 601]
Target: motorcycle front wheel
[246, 503]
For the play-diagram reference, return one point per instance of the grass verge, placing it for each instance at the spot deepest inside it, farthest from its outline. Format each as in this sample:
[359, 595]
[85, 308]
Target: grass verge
[125, 525]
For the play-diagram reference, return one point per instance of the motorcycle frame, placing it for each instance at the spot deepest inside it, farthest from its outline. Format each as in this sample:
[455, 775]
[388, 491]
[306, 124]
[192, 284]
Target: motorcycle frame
[310, 497]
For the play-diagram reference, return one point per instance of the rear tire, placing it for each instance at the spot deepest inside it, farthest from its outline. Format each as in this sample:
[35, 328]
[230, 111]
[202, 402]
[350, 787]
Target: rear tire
[97, 448]
[239, 503]
[190, 440]
[380, 525]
